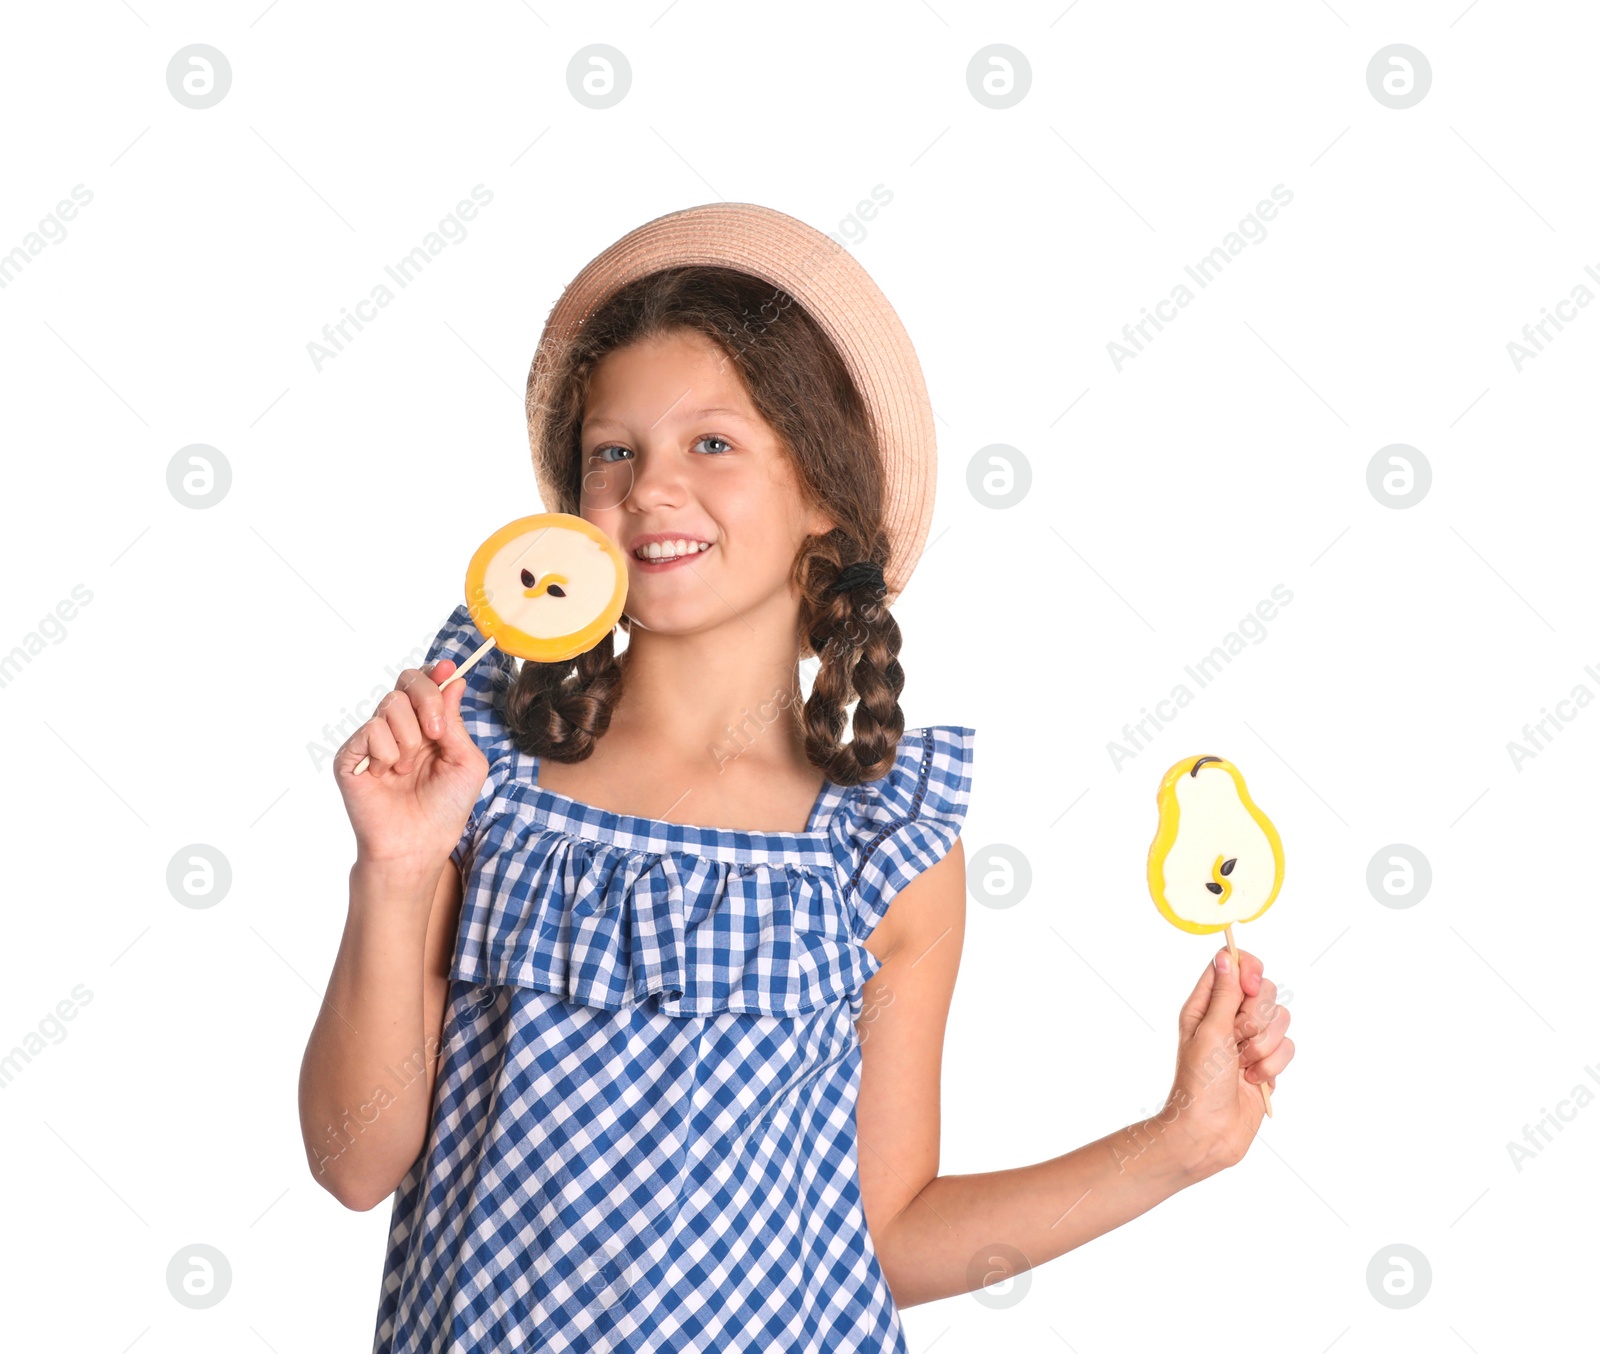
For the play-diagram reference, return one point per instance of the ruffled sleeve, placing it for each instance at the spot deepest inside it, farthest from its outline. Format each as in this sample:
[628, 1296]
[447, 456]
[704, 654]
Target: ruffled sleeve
[888, 831]
[481, 710]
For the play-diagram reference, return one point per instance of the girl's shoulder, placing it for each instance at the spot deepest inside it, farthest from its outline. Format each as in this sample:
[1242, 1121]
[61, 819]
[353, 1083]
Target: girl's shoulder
[888, 831]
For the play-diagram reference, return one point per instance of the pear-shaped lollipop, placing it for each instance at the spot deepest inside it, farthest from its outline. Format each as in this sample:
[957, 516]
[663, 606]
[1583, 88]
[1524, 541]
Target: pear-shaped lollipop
[1216, 858]
[544, 588]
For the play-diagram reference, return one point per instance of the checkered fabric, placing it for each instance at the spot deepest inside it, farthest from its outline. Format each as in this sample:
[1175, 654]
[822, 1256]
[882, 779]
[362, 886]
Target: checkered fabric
[644, 1136]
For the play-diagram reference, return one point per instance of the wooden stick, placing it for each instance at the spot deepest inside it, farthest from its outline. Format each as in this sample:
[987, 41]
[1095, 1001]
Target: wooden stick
[459, 673]
[1233, 954]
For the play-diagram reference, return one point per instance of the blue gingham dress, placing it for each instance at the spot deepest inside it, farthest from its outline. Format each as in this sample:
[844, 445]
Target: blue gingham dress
[644, 1137]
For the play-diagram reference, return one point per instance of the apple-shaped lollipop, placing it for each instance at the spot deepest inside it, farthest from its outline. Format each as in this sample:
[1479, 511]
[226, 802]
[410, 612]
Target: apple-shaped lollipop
[543, 588]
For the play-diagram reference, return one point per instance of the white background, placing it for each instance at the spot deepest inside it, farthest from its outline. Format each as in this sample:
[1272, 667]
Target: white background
[1166, 500]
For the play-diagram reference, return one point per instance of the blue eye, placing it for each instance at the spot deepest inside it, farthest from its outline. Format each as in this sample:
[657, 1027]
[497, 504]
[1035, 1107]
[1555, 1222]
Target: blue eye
[600, 453]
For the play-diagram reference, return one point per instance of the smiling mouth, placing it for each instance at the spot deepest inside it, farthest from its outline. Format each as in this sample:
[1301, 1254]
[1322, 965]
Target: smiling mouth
[660, 552]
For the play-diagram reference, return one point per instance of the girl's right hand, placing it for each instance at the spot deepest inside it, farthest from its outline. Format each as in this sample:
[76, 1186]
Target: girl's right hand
[412, 802]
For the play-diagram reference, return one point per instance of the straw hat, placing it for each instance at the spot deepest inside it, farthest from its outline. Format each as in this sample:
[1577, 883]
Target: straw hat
[834, 289]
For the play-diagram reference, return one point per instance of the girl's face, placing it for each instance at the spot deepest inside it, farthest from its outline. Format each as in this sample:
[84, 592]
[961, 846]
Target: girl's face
[674, 452]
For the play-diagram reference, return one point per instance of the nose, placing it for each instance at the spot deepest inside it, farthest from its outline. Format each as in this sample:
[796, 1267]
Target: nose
[657, 480]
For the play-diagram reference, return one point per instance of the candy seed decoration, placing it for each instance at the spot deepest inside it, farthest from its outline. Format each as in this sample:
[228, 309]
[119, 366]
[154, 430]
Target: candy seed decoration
[1218, 884]
[549, 585]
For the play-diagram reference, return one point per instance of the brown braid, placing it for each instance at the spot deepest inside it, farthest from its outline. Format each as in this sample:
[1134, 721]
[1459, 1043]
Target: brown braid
[858, 642]
[562, 709]
[800, 386]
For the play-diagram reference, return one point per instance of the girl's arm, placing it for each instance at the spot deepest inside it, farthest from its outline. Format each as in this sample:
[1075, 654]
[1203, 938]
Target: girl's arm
[964, 1232]
[366, 1081]
[938, 1236]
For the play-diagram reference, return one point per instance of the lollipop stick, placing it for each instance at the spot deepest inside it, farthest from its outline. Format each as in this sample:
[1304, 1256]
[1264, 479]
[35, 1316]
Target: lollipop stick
[1233, 950]
[459, 672]
[1233, 954]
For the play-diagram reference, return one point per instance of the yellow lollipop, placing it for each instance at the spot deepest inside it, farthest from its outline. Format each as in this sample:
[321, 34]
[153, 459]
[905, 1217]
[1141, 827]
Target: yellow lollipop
[544, 588]
[1216, 858]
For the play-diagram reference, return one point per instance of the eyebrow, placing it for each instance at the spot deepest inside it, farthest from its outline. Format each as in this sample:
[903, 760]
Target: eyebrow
[690, 417]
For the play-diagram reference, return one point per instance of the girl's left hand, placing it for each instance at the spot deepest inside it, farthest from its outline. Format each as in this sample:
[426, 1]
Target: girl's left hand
[1232, 1037]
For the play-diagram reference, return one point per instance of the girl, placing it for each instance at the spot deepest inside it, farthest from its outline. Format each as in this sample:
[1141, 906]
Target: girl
[669, 1080]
